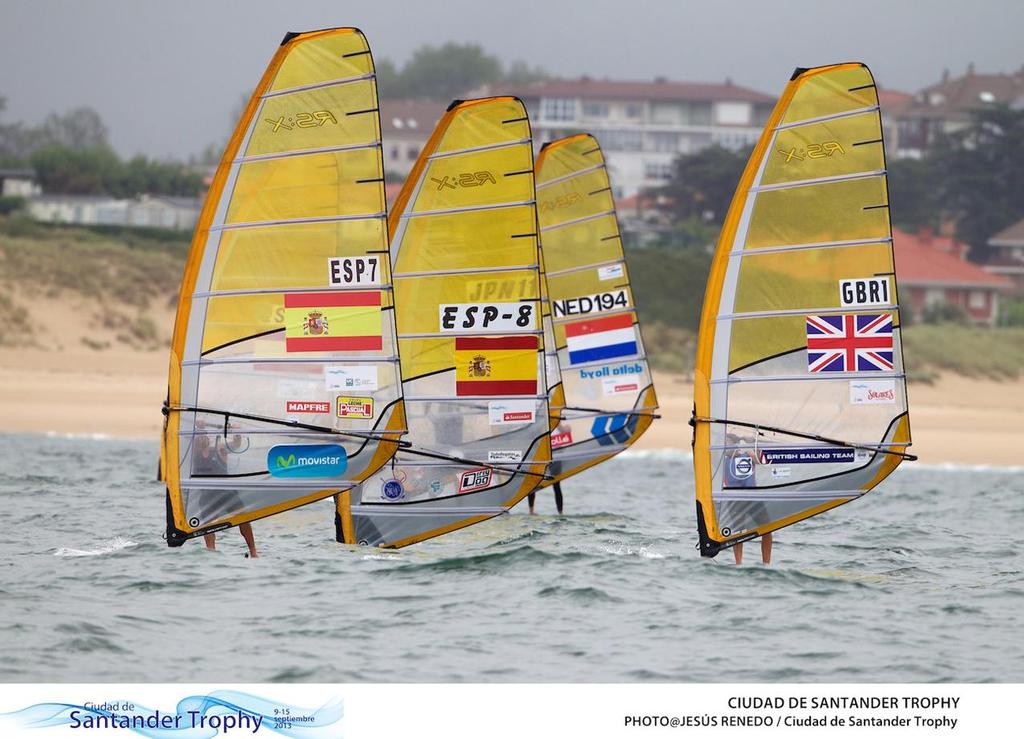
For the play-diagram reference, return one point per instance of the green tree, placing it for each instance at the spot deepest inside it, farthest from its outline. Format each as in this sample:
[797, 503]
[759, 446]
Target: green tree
[79, 129]
[702, 184]
[979, 175]
[444, 72]
[912, 194]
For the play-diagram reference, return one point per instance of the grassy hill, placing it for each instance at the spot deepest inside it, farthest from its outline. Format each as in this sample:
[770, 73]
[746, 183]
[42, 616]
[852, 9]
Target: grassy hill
[124, 283]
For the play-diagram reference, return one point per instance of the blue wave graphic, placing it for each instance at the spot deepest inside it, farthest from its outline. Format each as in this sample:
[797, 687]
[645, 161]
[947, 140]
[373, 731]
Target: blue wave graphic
[195, 717]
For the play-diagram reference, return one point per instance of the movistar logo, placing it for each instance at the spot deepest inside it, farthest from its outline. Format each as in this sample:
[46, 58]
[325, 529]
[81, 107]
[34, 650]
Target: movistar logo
[309, 460]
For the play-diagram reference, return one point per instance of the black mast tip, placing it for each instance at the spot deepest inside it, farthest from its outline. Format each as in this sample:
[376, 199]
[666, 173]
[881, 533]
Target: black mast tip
[289, 36]
[453, 105]
[797, 72]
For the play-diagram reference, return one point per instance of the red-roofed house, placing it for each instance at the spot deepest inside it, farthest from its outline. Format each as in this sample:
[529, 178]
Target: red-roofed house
[1009, 260]
[405, 126]
[644, 125]
[933, 270]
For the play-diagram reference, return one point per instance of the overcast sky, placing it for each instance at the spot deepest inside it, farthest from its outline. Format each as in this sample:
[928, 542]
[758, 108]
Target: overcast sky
[166, 74]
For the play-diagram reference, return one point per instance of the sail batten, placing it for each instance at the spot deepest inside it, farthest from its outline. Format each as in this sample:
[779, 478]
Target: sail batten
[800, 349]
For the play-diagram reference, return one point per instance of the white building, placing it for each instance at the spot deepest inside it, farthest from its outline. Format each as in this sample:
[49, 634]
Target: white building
[644, 126]
[405, 127]
[152, 211]
[18, 183]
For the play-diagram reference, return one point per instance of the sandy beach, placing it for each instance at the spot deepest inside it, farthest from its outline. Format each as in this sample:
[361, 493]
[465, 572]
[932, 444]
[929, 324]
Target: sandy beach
[118, 392]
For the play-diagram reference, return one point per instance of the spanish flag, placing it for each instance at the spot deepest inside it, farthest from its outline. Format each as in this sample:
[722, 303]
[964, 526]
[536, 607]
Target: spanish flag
[333, 321]
[499, 365]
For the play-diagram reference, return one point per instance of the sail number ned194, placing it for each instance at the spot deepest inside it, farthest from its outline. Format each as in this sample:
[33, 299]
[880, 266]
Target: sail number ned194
[596, 303]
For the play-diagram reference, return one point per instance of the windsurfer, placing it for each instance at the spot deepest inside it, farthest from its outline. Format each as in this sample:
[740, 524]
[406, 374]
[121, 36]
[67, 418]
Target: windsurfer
[211, 458]
[739, 473]
[532, 498]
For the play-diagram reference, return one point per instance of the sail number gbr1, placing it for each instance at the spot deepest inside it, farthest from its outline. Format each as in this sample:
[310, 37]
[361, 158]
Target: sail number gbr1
[455, 317]
[596, 303]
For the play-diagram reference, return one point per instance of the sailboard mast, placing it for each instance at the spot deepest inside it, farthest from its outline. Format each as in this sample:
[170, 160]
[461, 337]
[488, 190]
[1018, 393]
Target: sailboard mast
[283, 382]
[467, 302]
[800, 400]
[603, 396]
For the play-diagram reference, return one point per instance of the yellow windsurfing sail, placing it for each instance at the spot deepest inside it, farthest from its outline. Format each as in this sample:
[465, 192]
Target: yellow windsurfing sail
[600, 386]
[284, 384]
[467, 302]
[800, 400]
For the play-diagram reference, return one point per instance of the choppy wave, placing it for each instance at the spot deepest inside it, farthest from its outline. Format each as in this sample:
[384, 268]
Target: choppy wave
[613, 590]
[108, 547]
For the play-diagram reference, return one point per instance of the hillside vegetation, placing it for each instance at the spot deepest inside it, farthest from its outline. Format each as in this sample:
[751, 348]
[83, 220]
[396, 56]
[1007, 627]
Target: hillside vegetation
[126, 282]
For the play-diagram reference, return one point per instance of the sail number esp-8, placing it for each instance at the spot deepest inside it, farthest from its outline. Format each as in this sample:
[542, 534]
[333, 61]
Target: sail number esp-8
[457, 317]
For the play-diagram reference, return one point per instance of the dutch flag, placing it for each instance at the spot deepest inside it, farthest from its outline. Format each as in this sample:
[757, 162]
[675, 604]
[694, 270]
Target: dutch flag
[601, 338]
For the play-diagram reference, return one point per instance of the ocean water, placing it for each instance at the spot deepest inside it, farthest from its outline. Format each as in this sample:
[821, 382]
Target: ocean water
[923, 580]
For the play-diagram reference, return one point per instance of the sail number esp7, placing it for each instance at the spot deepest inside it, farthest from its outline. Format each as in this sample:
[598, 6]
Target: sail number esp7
[456, 317]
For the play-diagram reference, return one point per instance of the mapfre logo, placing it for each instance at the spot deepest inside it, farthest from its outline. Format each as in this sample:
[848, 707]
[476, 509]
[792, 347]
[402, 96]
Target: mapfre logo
[307, 406]
[812, 151]
[315, 119]
[464, 179]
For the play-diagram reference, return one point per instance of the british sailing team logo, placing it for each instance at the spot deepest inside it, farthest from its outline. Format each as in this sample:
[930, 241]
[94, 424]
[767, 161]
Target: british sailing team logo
[314, 324]
[479, 366]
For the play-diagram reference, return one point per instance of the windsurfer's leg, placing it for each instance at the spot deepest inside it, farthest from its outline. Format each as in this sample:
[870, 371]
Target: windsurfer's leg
[558, 497]
[766, 548]
[531, 499]
[737, 552]
[245, 529]
[211, 541]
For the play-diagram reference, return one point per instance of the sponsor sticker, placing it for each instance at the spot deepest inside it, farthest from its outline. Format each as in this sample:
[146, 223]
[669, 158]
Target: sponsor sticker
[778, 472]
[865, 291]
[596, 303]
[459, 317]
[475, 480]
[502, 412]
[819, 455]
[307, 460]
[872, 392]
[561, 439]
[307, 406]
[392, 490]
[354, 407]
[634, 368]
[342, 271]
[619, 386]
[742, 466]
[510, 455]
[351, 377]
[611, 272]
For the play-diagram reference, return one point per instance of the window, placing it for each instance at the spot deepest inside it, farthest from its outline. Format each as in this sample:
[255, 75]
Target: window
[634, 110]
[661, 171]
[413, 152]
[667, 142]
[595, 110]
[976, 300]
[733, 114]
[622, 140]
[934, 296]
[558, 109]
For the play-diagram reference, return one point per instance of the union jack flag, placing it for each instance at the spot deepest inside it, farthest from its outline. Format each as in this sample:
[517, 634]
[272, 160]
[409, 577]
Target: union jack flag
[849, 343]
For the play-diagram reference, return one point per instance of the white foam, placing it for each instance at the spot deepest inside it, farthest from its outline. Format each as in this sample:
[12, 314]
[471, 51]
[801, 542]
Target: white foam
[624, 550]
[114, 545]
[69, 435]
